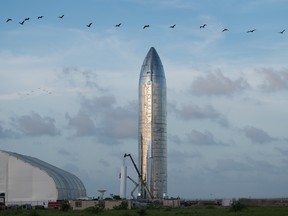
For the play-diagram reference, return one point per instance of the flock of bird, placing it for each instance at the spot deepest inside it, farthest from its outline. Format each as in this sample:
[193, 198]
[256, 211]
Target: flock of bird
[119, 25]
[28, 18]
[38, 91]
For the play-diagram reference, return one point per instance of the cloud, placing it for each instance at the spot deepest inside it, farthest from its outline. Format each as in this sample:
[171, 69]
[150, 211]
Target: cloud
[98, 104]
[71, 168]
[174, 139]
[217, 84]
[247, 169]
[230, 165]
[82, 123]
[7, 133]
[64, 152]
[181, 157]
[104, 162]
[274, 80]
[193, 111]
[254, 167]
[257, 135]
[102, 118]
[202, 139]
[35, 125]
[113, 120]
[80, 77]
[282, 151]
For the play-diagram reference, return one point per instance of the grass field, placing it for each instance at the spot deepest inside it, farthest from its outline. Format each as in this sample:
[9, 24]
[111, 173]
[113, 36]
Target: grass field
[194, 211]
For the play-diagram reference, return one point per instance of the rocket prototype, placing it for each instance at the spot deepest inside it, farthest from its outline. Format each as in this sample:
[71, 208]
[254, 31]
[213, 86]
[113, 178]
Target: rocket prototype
[152, 135]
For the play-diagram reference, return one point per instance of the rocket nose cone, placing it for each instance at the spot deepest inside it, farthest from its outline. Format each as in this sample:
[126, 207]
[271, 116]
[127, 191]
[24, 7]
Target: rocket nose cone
[152, 57]
[152, 49]
[152, 64]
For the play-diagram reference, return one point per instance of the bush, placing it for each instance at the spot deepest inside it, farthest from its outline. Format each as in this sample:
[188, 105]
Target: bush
[237, 206]
[122, 206]
[95, 209]
[65, 206]
[116, 197]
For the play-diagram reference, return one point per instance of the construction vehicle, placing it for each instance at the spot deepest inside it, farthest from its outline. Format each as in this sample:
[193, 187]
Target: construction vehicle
[136, 185]
[149, 195]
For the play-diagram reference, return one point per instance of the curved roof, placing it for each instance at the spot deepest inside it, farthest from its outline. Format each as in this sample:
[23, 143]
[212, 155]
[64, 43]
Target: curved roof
[68, 185]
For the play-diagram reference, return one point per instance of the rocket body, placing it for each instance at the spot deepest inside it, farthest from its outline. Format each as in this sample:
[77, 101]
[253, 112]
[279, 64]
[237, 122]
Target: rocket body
[152, 135]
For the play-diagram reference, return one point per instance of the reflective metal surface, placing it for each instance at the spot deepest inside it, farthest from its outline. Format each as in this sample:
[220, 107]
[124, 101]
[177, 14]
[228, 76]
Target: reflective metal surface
[152, 126]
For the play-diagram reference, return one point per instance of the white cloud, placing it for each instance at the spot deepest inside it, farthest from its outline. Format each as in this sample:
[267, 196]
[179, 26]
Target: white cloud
[274, 80]
[103, 119]
[82, 123]
[217, 84]
[202, 139]
[257, 135]
[188, 112]
[35, 125]
[6, 133]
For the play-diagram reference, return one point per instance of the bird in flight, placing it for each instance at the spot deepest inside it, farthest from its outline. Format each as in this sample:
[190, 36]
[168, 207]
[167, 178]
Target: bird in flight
[146, 26]
[172, 26]
[8, 20]
[203, 26]
[26, 19]
[40, 17]
[281, 32]
[250, 31]
[22, 22]
[61, 17]
[118, 25]
[89, 25]
[225, 29]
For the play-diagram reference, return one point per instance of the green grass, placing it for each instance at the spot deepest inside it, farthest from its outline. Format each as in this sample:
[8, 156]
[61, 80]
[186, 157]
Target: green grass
[193, 211]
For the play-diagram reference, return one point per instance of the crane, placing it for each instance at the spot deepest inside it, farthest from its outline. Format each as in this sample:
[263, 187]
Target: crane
[136, 185]
[150, 197]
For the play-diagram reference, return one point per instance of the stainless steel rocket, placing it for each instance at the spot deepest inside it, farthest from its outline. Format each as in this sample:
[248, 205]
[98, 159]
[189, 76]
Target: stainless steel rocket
[152, 135]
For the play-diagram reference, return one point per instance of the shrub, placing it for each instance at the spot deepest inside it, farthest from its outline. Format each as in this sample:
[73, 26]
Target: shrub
[116, 197]
[65, 206]
[122, 206]
[95, 209]
[237, 206]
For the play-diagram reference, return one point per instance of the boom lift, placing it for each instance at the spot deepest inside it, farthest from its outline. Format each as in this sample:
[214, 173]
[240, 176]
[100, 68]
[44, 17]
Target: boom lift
[150, 197]
[136, 185]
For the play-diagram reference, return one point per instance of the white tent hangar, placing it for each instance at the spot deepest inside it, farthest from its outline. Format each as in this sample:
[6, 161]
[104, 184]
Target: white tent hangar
[25, 178]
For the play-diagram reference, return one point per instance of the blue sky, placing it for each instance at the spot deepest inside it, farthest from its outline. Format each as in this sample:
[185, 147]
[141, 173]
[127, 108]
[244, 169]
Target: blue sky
[68, 93]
